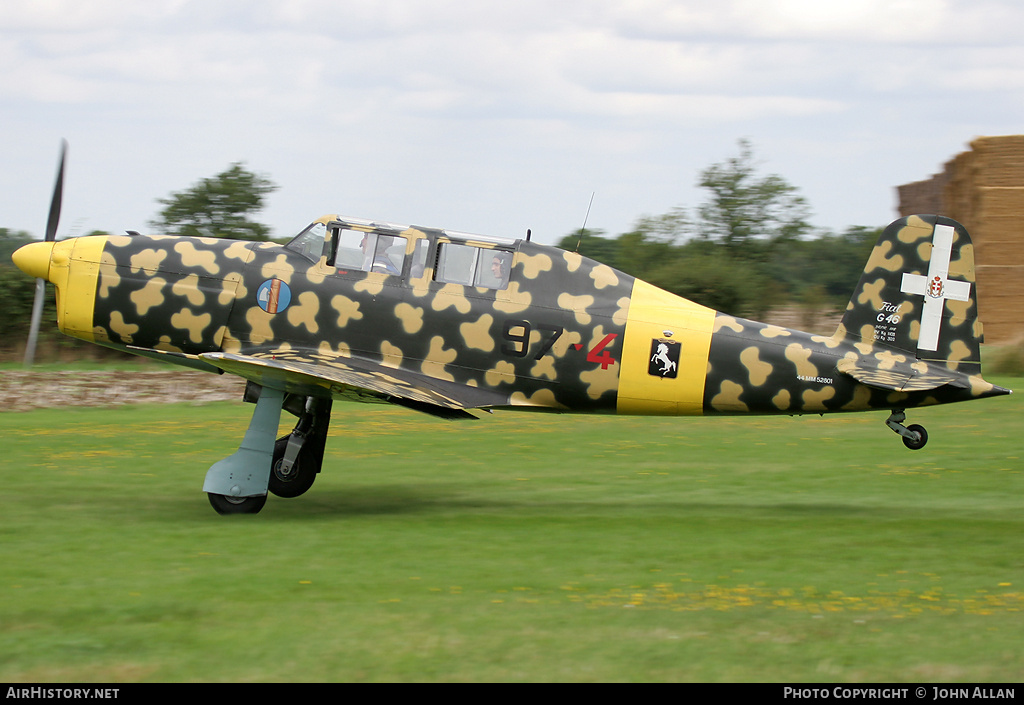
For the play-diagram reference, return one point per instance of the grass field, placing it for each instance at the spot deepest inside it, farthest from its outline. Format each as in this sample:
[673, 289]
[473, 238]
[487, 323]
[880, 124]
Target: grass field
[518, 548]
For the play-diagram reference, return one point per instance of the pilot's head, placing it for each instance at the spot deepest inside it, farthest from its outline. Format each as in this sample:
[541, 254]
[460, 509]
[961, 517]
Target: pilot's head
[499, 266]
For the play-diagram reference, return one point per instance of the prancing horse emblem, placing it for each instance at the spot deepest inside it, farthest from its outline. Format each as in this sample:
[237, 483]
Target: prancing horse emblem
[664, 359]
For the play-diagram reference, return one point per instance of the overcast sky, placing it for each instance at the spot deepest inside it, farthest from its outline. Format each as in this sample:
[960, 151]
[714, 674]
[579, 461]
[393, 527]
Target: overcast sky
[492, 117]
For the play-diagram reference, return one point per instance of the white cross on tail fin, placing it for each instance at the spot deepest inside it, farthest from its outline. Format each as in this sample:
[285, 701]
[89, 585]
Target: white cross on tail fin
[935, 288]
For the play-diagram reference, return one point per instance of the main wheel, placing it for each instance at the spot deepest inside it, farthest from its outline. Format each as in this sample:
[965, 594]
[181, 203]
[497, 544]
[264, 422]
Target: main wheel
[922, 437]
[223, 504]
[299, 477]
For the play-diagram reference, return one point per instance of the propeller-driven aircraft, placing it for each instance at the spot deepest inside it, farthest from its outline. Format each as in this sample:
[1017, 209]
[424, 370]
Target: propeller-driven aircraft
[449, 323]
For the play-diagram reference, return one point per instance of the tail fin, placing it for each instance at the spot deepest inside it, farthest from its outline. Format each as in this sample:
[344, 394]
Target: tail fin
[918, 294]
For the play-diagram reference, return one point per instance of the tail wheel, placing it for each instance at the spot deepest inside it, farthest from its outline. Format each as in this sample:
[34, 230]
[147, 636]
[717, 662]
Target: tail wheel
[921, 437]
[297, 479]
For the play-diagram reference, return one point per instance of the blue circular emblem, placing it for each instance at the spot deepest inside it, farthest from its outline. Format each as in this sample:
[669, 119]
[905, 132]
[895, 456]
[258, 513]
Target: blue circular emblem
[273, 296]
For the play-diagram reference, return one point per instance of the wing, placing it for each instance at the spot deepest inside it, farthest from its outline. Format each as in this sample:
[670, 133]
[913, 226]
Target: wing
[900, 376]
[355, 379]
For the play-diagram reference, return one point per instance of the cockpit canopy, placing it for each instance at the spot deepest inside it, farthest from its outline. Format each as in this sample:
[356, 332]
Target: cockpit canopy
[352, 245]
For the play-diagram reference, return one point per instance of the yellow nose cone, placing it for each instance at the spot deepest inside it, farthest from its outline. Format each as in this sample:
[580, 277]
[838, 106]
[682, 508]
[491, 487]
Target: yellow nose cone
[34, 259]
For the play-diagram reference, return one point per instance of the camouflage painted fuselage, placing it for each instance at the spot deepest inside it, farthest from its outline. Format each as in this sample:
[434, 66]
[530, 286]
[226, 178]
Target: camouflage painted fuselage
[563, 333]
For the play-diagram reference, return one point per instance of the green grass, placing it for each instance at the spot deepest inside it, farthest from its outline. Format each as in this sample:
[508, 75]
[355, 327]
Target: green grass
[518, 548]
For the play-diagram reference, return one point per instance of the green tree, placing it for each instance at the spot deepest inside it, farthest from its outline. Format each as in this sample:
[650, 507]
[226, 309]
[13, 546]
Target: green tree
[640, 253]
[10, 240]
[750, 249]
[592, 244]
[670, 227]
[825, 269]
[748, 213]
[218, 207]
[19, 290]
[704, 272]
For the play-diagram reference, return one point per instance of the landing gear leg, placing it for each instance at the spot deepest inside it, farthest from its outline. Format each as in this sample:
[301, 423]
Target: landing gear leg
[914, 436]
[238, 483]
[299, 456]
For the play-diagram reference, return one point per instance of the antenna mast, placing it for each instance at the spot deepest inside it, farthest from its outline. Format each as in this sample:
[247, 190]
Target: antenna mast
[585, 219]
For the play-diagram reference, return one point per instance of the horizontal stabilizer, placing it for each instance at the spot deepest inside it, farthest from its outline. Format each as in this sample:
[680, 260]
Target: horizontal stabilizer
[901, 376]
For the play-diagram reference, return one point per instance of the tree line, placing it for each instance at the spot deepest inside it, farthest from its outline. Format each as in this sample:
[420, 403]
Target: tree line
[747, 249]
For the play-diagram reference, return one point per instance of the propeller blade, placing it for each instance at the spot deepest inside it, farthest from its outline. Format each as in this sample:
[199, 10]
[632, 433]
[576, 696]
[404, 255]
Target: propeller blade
[58, 191]
[51, 236]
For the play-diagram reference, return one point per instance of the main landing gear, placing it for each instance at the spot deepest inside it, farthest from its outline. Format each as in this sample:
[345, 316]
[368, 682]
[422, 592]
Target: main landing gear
[914, 436]
[285, 466]
[299, 456]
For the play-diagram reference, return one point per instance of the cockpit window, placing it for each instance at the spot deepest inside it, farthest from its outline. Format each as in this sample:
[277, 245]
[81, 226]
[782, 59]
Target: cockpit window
[310, 242]
[473, 266]
[499, 265]
[369, 252]
[419, 258]
[456, 263]
[388, 254]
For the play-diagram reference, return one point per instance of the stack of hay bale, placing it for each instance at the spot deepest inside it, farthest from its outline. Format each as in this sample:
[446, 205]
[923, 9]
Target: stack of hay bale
[984, 190]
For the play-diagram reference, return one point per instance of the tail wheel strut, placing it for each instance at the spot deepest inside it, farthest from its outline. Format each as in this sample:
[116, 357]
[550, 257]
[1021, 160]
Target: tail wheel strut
[914, 436]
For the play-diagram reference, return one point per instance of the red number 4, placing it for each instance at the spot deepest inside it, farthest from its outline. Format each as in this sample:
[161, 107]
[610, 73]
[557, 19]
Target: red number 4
[599, 355]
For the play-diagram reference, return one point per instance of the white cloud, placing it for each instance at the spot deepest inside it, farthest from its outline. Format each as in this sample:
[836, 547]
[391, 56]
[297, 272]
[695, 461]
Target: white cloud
[447, 107]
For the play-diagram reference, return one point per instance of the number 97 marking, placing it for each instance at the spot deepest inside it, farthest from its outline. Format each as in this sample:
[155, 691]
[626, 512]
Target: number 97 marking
[517, 342]
[517, 338]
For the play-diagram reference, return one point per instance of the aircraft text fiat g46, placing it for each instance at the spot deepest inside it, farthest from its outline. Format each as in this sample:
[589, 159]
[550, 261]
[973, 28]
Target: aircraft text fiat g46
[447, 323]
